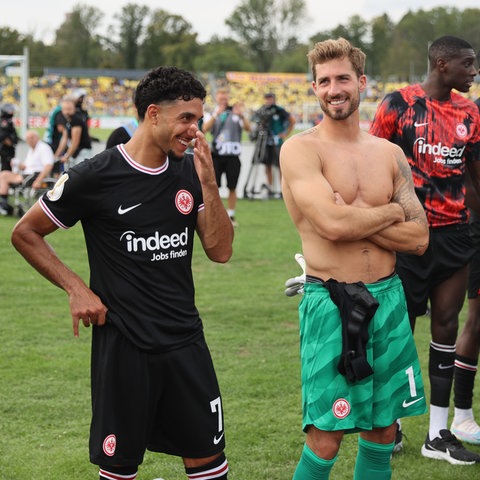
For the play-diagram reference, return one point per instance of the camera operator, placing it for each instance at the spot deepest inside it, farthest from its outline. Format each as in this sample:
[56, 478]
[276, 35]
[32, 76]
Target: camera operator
[277, 123]
[8, 135]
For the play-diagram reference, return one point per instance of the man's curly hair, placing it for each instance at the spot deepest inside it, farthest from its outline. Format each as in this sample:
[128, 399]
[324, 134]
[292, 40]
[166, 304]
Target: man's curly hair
[166, 84]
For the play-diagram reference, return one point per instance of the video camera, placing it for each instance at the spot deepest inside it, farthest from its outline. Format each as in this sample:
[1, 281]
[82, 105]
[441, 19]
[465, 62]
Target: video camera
[262, 118]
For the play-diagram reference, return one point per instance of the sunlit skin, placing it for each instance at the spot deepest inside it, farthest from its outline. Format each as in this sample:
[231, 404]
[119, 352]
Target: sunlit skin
[338, 89]
[352, 200]
[171, 127]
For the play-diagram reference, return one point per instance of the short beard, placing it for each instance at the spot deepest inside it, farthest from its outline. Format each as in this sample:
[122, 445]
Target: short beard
[339, 115]
[173, 157]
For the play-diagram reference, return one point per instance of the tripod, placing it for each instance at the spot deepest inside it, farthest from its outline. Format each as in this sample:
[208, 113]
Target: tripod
[251, 189]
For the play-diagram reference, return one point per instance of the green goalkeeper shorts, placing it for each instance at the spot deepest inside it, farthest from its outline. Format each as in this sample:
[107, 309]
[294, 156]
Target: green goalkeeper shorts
[395, 390]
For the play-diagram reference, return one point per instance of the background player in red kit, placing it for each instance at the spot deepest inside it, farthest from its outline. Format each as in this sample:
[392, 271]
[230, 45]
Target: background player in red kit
[153, 382]
[438, 131]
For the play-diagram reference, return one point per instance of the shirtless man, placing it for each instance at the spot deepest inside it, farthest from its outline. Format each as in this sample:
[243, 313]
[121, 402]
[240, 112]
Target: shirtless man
[352, 200]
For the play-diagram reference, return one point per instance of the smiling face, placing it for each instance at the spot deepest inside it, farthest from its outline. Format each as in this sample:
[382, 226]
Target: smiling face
[175, 125]
[338, 88]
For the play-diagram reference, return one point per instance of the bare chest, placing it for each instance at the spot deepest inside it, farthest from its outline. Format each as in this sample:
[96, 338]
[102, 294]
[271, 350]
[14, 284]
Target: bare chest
[360, 177]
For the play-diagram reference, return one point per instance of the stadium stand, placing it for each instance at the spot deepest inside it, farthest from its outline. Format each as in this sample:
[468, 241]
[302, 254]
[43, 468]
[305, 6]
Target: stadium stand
[111, 96]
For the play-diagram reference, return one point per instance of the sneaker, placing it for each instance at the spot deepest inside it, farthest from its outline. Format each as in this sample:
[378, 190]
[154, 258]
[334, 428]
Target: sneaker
[234, 222]
[467, 431]
[448, 447]
[398, 447]
[5, 208]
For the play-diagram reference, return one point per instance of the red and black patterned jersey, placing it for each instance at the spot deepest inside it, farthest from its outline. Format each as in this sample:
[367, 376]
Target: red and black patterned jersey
[438, 138]
[139, 225]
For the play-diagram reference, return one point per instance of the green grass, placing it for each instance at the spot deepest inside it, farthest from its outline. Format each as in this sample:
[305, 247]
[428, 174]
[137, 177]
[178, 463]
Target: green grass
[252, 331]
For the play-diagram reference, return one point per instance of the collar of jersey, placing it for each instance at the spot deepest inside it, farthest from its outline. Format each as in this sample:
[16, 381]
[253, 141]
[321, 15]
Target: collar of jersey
[138, 166]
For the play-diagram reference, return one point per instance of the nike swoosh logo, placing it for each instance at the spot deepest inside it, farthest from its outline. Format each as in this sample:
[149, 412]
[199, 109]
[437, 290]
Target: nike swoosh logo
[420, 124]
[444, 367]
[122, 211]
[216, 440]
[406, 404]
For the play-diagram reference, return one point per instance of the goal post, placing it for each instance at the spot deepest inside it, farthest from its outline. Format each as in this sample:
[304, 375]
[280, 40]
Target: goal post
[22, 61]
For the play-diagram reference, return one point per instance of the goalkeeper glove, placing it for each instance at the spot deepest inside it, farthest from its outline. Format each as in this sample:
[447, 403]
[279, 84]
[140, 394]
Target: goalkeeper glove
[294, 285]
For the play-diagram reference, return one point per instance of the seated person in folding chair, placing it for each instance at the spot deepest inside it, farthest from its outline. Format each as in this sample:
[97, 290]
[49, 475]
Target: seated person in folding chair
[33, 171]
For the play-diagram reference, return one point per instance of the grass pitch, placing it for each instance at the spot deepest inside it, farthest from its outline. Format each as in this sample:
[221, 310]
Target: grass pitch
[252, 331]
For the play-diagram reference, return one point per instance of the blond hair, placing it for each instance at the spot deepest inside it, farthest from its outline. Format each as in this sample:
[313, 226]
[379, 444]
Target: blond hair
[336, 50]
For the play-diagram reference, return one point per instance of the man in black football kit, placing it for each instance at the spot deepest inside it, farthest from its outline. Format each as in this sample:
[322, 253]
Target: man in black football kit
[153, 383]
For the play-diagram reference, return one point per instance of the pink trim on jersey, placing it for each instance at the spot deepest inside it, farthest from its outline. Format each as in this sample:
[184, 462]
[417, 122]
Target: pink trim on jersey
[201, 207]
[137, 166]
[51, 216]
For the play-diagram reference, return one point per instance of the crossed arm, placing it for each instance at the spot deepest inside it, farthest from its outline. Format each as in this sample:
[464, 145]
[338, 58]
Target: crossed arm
[410, 236]
[399, 225]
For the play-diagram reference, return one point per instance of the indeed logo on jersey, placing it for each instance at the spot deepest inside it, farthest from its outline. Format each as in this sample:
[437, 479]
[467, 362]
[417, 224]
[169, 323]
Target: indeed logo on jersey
[443, 154]
[164, 247]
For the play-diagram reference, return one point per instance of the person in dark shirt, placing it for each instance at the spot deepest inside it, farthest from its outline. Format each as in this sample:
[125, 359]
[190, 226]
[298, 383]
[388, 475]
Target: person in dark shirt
[439, 132]
[276, 124]
[464, 425]
[122, 134]
[153, 382]
[8, 136]
[75, 145]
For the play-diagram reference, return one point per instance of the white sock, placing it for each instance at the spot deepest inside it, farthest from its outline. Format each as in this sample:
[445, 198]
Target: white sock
[462, 414]
[231, 213]
[438, 420]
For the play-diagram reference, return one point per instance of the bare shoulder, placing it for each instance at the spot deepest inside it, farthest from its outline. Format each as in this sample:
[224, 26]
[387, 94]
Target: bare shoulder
[385, 148]
[383, 142]
[302, 141]
[301, 150]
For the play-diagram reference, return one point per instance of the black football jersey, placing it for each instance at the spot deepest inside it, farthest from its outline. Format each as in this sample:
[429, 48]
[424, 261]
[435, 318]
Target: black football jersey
[139, 225]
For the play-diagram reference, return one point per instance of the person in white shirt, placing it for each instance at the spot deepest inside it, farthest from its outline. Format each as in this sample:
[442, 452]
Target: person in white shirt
[36, 167]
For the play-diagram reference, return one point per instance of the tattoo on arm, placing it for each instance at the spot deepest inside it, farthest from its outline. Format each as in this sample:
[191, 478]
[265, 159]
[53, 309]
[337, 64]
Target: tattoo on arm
[404, 193]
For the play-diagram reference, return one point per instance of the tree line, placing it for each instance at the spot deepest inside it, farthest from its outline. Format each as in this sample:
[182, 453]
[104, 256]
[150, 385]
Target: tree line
[264, 38]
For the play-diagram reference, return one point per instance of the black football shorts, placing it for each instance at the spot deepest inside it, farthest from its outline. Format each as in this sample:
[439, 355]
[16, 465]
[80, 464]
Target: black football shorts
[165, 402]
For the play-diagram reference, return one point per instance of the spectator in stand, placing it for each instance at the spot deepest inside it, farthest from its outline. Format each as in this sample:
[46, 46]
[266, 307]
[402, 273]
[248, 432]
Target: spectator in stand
[37, 166]
[75, 141]
[8, 136]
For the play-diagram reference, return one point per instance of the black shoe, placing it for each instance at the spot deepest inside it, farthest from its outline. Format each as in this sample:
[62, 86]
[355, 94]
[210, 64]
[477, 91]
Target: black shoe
[448, 447]
[398, 447]
[5, 208]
